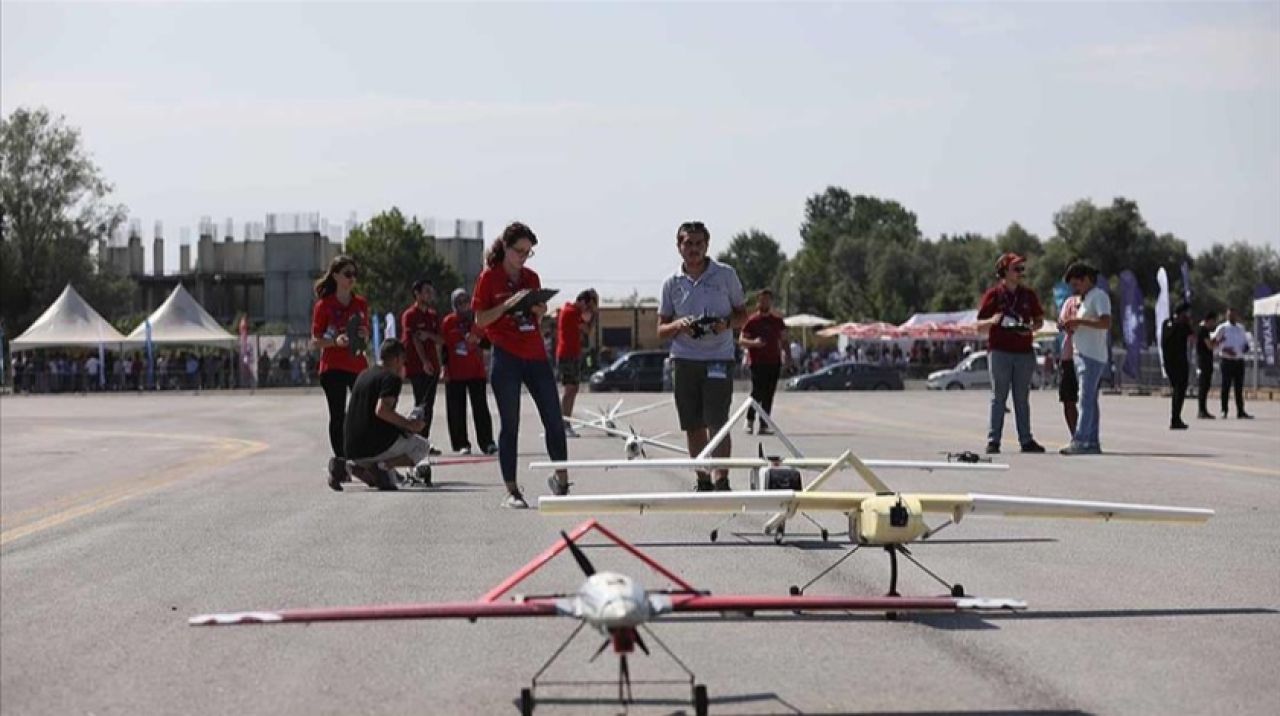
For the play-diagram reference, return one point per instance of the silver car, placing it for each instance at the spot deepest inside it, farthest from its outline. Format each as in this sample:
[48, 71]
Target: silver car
[972, 374]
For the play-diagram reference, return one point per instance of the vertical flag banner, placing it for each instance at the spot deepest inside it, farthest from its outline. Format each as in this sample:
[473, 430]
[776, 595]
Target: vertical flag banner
[1266, 329]
[1132, 323]
[1162, 313]
[246, 356]
[102, 364]
[1262, 290]
[391, 325]
[151, 357]
[1061, 292]
[15, 386]
[1186, 282]
[377, 337]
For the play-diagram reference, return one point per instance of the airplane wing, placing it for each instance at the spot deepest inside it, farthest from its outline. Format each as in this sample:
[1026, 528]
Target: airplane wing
[748, 463]
[624, 434]
[442, 610]
[1010, 506]
[746, 501]
[769, 603]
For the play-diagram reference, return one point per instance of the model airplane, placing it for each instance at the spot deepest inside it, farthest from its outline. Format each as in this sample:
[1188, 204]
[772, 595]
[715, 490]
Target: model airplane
[609, 418]
[634, 444]
[614, 605]
[882, 518]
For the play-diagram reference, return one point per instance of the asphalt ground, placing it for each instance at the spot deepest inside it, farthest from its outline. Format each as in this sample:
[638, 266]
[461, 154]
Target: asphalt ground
[123, 515]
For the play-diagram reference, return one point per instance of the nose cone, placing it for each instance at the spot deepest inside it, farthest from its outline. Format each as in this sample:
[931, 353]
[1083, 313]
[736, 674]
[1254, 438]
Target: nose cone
[621, 612]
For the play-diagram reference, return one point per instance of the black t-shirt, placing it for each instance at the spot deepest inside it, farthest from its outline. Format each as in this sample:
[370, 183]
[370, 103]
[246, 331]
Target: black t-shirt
[1204, 354]
[365, 434]
[1174, 336]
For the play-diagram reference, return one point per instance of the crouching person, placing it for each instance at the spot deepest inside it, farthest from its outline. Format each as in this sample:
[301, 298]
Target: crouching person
[377, 439]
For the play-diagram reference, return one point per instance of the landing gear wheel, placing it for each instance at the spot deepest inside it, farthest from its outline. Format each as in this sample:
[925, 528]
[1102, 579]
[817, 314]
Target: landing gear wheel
[795, 591]
[715, 535]
[891, 616]
[777, 536]
[825, 534]
[957, 590]
[526, 702]
[700, 700]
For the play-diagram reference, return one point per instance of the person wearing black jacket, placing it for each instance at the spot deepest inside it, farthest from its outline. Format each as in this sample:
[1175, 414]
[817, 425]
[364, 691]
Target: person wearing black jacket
[1175, 334]
[1204, 361]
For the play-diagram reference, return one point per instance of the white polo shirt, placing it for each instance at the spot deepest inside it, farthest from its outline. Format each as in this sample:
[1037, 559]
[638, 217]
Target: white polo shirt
[1233, 337]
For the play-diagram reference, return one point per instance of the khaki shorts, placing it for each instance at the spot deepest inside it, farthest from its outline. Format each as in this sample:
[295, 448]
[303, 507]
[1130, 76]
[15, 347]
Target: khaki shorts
[703, 390]
[415, 447]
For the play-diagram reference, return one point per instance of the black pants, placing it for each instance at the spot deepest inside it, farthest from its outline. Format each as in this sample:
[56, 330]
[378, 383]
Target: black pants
[1178, 376]
[764, 383]
[424, 394]
[455, 404]
[1233, 375]
[1204, 386]
[336, 384]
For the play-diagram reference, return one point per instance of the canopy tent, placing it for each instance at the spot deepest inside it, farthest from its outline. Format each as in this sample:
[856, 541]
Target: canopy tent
[68, 322]
[805, 320]
[949, 318]
[181, 320]
[1269, 306]
[865, 331]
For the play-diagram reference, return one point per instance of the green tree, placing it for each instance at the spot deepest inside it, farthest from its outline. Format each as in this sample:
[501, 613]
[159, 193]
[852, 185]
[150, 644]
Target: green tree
[756, 257]
[1225, 276]
[53, 210]
[393, 251]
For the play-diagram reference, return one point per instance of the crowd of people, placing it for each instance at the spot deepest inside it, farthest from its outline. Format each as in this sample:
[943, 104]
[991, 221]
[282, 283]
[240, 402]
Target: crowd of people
[88, 372]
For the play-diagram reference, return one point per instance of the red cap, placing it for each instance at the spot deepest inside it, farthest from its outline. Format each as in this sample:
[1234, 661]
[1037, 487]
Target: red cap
[1008, 260]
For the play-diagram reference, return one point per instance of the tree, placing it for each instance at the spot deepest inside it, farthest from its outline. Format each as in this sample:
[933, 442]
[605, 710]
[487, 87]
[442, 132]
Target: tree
[1225, 276]
[53, 210]
[392, 252]
[756, 257]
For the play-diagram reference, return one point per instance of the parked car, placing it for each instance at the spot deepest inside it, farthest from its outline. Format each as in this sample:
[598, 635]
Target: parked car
[637, 370]
[972, 374]
[849, 376]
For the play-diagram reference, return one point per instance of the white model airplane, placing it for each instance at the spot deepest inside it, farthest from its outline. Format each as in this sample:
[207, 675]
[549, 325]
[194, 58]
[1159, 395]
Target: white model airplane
[609, 418]
[634, 444]
[882, 518]
[614, 605]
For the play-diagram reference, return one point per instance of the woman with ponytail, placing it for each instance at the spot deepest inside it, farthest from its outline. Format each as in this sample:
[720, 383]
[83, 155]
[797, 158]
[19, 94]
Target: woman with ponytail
[519, 356]
[336, 306]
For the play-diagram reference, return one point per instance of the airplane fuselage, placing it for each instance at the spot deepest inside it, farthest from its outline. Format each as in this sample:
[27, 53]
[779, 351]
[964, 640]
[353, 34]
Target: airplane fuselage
[609, 601]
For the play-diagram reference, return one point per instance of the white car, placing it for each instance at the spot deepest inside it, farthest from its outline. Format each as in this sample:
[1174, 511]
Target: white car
[972, 374]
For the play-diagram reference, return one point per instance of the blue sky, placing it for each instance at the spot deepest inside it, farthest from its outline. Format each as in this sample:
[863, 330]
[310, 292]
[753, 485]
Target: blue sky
[604, 125]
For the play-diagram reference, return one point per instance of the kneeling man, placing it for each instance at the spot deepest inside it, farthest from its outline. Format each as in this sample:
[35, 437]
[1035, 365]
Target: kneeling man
[376, 438]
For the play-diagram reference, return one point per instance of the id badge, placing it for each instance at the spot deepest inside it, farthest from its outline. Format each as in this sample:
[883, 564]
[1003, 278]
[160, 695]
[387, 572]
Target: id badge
[461, 348]
[717, 371]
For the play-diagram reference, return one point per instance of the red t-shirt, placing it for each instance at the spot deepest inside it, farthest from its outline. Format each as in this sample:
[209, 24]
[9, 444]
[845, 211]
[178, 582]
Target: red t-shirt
[415, 319]
[769, 328]
[329, 320]
[516, 333]
[1020, 303]
[569, 332]
[466, 360]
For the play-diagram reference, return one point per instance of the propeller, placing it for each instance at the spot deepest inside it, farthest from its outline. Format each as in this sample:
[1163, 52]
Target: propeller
[638, 441]
[578, 556]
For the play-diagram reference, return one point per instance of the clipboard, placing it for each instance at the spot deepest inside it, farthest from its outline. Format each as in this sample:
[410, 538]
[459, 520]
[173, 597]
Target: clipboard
[531, 299]
[355, 343]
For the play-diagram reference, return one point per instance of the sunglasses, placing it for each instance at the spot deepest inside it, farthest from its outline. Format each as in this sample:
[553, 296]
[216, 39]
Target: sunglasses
[523, 253]
[349, 274]
[1019, 269]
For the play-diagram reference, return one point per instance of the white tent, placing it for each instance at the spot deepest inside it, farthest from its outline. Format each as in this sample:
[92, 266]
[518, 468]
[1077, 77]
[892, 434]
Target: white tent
[1269, 306]
[181, 320]
[69, 322]
[805, 320]
[947, 318]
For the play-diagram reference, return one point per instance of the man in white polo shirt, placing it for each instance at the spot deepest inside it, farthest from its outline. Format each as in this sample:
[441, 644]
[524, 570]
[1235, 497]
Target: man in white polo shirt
[1232, 343]
[1089, 330]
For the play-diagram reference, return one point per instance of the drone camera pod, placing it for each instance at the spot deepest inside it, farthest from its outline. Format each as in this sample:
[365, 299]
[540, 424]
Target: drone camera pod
[781, 477]
[887, 519]
[898, 515]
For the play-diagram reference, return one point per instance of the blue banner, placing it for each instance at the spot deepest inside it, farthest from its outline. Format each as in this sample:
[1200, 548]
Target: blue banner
[1262, 290]
[102, 365]
[377, 336]
[1186, 282]
[15, 387]
[1061, 292]
[1267, 328]
[1133, 322]
[151, 357]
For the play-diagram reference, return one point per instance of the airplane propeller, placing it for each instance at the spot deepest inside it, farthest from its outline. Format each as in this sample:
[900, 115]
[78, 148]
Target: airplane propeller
[578, 556]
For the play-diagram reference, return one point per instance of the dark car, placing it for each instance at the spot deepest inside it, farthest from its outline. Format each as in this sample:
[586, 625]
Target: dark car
[849, 376]
[637, 370]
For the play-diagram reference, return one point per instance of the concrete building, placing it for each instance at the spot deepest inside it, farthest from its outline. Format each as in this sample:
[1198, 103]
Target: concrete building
[271, 279]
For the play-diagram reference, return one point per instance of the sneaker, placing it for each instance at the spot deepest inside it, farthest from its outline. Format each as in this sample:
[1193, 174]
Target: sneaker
[993, 448]
[764, 430]
[363, 473]
[569, 432]
[433, 451]
[557, 488]
[465, 451]
[1033, 447]
[515, 502]
[388, 479]
[1178, 425]
[1206, 416]
[1224, 415]
[750, 430]
[722, 485]
[703, 484]
[1244, 416]
[491, 449]
[337, 470]
[422, 473]
[1077, 449]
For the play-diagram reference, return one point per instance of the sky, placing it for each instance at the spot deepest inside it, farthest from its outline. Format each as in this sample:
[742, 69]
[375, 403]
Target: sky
[605, 125]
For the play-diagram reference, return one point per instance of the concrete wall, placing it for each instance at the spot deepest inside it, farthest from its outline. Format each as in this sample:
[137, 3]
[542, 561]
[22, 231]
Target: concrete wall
[466, 256]
[293, 261]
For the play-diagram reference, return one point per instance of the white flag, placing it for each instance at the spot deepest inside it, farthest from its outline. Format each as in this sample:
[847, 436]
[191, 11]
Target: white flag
[391, 325]
[1162, 313]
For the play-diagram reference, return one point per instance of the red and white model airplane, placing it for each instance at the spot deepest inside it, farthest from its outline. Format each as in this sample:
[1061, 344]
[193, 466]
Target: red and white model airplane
[613, 604]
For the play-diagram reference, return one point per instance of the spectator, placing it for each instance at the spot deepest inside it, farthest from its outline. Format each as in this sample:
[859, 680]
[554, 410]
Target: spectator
[338, 310]
[1010, 313]
[1204, 362]
[464, 375]
[1232, 344]
[1175, 335]
[573, 318]
[764, 336]
[1068, 386]
[1089, 326]
[420, 326]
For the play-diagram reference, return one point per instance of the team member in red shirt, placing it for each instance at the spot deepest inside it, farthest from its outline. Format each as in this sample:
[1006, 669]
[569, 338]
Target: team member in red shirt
[420, 326]
[519, 356]
[464, 375]
[336, 305]
[1012, 314]
[569, 326]
[763, 335]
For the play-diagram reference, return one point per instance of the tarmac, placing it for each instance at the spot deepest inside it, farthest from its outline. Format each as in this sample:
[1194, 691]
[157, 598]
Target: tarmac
[123, 515]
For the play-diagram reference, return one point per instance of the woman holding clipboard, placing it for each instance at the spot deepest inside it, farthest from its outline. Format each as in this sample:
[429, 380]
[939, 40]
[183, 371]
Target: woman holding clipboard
[339, 327]
[509, 304]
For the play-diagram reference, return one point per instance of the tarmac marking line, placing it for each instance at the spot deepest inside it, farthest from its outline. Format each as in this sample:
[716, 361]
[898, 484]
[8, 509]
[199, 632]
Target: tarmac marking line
[231, 449]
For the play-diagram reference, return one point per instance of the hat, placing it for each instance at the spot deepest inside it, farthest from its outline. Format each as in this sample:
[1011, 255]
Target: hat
[457, 293]
[1008, 260]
